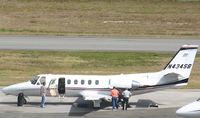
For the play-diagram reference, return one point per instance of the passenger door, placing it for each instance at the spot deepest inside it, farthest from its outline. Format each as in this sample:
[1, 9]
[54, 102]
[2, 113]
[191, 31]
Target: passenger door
[53, 88]
[61, 86]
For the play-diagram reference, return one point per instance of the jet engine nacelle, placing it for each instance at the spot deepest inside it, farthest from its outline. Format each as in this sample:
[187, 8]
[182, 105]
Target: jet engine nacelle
[135, 84]
[118, 83]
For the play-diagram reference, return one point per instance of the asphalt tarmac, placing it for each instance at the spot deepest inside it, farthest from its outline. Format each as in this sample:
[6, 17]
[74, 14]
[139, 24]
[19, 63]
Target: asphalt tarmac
[142, 113]
[91, 43]
[168, 102]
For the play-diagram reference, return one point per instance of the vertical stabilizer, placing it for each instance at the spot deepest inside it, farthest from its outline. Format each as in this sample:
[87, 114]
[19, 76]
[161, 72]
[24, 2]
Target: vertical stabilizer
[183, 61]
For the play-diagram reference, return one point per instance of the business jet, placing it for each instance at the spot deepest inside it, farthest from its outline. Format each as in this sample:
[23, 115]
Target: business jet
[97, 88]
[191, 110]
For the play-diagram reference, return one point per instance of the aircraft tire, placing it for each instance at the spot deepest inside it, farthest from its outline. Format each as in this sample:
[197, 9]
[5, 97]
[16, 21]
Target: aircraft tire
[20, 99]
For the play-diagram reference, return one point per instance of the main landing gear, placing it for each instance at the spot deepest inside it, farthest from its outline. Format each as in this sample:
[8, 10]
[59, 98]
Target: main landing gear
[96, 103]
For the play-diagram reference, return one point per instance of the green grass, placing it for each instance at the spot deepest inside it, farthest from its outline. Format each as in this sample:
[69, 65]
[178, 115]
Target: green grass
[18, 66]
[100, 17]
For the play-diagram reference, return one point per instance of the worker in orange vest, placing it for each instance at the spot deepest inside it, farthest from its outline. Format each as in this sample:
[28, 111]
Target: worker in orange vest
[115, 95]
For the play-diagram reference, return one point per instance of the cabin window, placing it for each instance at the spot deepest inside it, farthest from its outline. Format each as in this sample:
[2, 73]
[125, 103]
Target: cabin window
[82, 82]
[68, 81]
[89, 82]
[75, 81]
[97, 82]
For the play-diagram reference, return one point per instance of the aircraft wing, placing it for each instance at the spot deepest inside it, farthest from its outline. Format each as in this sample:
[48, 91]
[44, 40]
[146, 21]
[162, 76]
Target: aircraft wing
[95, 95]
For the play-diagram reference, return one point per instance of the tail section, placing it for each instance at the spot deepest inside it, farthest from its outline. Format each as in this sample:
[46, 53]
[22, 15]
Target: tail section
[183, 61]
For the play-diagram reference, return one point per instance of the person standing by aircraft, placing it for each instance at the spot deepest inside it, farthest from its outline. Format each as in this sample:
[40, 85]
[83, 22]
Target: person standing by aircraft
[115, 95]
[126, 95]
[43, 94]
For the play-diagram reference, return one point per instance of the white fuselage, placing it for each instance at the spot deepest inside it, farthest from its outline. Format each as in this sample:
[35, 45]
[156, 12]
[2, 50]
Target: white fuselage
[75, 84]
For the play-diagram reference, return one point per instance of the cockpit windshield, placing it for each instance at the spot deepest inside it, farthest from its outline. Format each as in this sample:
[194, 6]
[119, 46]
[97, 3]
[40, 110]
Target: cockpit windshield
[34, 79]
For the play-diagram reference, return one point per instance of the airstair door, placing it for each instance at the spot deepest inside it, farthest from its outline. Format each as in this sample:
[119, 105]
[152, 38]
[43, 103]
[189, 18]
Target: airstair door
[53, 88]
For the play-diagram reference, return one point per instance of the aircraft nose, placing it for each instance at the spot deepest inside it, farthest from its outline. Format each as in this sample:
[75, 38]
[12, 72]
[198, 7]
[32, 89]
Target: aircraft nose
[6, 90]
[182, 112]
[3, 90]
[14, 89]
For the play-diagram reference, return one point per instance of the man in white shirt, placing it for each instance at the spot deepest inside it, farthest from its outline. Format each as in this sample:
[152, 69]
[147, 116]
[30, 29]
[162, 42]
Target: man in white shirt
[126, 95]
[43, 94]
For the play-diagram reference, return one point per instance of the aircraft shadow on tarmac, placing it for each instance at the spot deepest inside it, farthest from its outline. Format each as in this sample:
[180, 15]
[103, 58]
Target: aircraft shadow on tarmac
[144, 103]
[81, 107]
[87, 105]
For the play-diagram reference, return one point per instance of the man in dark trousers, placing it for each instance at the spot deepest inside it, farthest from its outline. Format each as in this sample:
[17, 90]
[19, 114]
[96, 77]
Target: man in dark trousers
[126, 95]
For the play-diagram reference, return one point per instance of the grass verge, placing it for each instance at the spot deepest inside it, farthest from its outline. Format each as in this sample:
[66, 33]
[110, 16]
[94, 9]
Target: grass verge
[100, 17]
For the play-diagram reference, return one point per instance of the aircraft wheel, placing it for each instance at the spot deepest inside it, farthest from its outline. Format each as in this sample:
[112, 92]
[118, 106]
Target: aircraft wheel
[20, 99]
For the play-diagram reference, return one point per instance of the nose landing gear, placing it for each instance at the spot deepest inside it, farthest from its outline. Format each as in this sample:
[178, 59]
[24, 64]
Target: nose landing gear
[21, 100]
